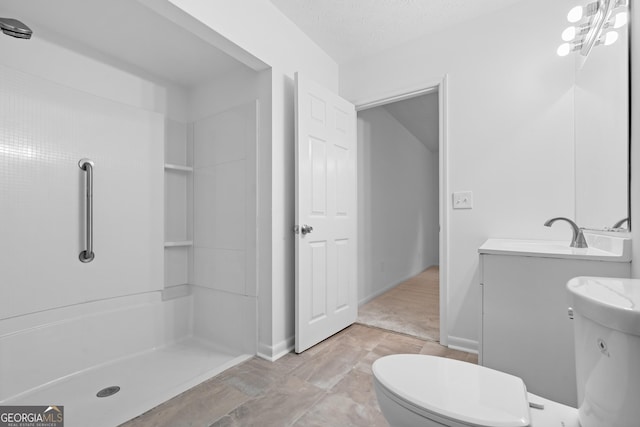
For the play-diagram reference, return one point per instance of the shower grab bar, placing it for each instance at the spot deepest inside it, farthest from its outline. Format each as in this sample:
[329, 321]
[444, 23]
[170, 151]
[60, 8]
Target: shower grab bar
[87, 255]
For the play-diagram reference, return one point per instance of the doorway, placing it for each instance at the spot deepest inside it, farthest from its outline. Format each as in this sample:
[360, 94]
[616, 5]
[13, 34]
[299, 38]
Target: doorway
[402, 232]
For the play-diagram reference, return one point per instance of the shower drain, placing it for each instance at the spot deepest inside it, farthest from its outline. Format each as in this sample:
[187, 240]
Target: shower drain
[109, 391]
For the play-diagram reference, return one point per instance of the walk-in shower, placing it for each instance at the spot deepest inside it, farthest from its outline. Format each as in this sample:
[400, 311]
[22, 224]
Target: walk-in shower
[170, 297]
[14, 28]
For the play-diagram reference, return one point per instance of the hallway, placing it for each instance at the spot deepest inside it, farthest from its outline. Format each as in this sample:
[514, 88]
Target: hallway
[410, 308]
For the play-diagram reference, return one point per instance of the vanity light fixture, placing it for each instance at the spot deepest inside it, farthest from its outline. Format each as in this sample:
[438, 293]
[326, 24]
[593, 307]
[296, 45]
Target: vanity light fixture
[594, 24]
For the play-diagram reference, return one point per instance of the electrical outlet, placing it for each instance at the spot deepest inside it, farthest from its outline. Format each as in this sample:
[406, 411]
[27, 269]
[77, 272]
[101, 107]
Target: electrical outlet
[463, 200]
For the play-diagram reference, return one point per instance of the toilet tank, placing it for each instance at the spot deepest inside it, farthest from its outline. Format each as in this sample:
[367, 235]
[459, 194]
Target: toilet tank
[607, 350]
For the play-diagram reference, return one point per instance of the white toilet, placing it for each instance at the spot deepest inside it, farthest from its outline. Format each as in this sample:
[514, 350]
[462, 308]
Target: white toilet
[420, 390]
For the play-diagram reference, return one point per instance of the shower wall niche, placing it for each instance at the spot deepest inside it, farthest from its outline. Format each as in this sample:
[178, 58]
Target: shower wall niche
[178, 206]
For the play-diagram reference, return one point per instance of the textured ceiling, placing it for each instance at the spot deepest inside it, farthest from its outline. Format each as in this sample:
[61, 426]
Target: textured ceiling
[348, 29]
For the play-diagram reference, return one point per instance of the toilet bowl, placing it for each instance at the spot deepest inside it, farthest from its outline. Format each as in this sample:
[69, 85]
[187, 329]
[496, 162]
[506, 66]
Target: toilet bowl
[421, 390]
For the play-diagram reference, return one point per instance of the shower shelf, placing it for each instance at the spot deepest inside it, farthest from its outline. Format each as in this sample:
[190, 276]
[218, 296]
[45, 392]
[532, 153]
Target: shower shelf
[181, 168]
[176, 244]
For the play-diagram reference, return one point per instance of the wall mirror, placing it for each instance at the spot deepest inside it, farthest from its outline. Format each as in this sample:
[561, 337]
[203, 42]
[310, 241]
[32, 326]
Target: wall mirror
[602, 131]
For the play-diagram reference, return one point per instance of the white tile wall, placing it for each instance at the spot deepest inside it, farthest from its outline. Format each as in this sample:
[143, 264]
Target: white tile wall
[238, 314]
[45, 129]
[230, 205]
[204, 206]
[175, 147]
[176, 266]
[175, 205]
[224, 200]
[220, 269]
[223, 137]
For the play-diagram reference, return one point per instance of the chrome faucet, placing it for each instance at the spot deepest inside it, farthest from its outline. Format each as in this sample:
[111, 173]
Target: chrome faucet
[578, 240]
[619, 223]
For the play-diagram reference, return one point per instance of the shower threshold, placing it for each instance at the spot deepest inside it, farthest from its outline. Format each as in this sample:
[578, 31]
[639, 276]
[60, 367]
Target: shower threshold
[145, 380]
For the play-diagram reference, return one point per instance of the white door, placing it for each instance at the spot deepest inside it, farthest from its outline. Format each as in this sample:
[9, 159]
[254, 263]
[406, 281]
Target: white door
[326, 286]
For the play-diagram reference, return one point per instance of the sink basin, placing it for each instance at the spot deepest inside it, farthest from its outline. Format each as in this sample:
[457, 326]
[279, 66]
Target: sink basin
[601, 248]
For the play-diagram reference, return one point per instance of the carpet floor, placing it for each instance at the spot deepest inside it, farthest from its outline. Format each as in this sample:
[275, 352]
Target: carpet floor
[411, 308]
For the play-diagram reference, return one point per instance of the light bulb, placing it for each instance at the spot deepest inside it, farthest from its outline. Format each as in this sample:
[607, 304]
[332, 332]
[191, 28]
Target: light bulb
[620, 20]
[564, 49]
[569, 34]
[575, 14]
[610, 38]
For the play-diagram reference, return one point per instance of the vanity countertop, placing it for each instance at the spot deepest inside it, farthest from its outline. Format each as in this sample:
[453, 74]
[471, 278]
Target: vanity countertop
[601, 248]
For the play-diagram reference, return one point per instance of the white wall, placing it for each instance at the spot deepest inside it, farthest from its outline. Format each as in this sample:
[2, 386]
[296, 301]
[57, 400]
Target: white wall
[510, 131]
[398, 203]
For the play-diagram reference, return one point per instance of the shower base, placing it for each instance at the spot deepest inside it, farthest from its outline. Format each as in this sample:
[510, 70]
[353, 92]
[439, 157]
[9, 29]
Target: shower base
[145, 380]
[150, 347]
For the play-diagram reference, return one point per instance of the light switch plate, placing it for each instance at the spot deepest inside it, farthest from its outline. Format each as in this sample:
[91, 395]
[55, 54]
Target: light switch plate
[463, 200]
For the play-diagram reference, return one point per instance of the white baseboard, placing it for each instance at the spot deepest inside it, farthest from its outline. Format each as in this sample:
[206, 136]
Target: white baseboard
[378, 293]
[463, 344]
[275, 352]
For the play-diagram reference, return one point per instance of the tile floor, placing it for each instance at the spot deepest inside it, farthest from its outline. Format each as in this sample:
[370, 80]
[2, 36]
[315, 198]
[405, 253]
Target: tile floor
[328, 385]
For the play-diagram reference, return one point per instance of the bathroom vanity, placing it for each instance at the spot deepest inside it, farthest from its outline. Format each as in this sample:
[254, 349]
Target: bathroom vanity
[525, 328]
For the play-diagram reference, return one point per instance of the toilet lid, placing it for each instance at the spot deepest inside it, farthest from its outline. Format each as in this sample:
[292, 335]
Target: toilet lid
[467, 393]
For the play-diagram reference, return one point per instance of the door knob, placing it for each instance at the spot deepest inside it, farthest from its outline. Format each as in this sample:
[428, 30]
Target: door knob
[306, 229]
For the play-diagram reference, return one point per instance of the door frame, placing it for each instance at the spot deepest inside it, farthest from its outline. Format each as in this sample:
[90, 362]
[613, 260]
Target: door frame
[423, 88]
